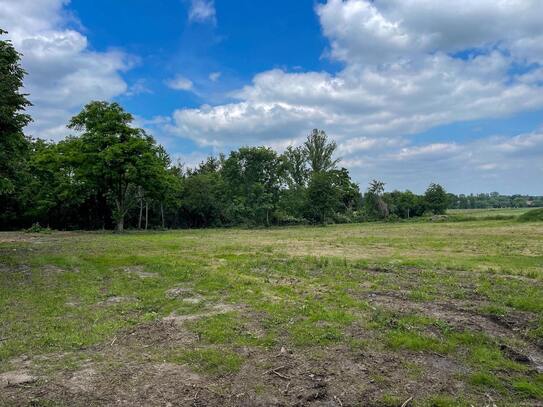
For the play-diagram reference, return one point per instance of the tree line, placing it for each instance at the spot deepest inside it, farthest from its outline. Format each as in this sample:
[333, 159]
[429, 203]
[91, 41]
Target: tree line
[111, 174]
[494, 200]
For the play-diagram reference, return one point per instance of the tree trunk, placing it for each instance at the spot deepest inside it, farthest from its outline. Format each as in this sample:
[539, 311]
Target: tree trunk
[120, 217]
[146, 214]
[120, 224]
[141, 213]
[162, 213]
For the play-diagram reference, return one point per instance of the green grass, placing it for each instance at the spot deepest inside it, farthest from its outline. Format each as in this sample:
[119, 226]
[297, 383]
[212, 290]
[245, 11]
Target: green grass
[324, 293]
[531, 388]
[534, 215]
[211, 361]
[489, 213]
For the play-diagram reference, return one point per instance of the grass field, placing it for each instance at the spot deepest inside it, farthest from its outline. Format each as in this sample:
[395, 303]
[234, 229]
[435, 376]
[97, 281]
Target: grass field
[441, 314]
[489, 213]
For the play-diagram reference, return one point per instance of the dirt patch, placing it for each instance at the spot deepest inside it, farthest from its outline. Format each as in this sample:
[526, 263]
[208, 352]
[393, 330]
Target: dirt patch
[465, 317]
[82, 380]
[333, 376]
[140, 272]
[19, 268]
[193, 300]
[52, 269]
[16, 378]
[117, 300]
[178, 292]
[127, 373]
[156, 333]
[213, 310]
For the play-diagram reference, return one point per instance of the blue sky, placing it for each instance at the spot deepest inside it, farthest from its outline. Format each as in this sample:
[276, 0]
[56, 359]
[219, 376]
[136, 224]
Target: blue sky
[252, 37]
[413, 91]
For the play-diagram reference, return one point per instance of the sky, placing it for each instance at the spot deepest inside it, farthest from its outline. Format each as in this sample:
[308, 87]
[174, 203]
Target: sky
[412, 91]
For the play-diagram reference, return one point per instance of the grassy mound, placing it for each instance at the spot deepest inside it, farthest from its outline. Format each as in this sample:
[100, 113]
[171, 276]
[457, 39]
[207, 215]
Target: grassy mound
[535, 215]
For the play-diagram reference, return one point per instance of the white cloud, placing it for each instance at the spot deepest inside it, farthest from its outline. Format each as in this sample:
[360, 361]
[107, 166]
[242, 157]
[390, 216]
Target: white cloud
[383, 31]
[214, 76]
[409, 65]
[202, 11]
[362, 101]
[180, 83]
[495, 163]
[138, 87]
[63, 73]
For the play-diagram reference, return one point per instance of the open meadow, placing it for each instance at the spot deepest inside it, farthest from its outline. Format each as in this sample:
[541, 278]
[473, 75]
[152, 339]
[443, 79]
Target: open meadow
[428, 313]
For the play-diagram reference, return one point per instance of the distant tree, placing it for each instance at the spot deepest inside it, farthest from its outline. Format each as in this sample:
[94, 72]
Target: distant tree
[436, 199]
[404, 204]
[319, 151]
[252, 178]
[518, 202]
[115, 157]
[201, 199]
[349, 192]
[323, 197]
[375, 205]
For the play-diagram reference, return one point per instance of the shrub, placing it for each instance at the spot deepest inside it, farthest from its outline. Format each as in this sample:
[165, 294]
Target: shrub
[535, 215]
[37, 228]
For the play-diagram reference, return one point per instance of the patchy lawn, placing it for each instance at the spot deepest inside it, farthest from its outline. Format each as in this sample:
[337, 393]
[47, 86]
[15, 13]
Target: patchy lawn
[441, 314]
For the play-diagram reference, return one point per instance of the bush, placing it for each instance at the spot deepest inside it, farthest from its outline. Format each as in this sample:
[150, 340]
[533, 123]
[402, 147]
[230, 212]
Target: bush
[37, 228]
[393, 218]
[342, 218]
[284, 219]
[535, 215]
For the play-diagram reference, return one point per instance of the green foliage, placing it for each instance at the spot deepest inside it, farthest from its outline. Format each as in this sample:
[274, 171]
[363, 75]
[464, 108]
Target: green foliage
[254, 186]
[436, 199]
[294, 162]
[405, 205]
[113, 159]
[494, 200]
[13, 143]
[252, 178]
[37, 228]
[322, 197]
[535, 215]
[374, 204]
[319, 152]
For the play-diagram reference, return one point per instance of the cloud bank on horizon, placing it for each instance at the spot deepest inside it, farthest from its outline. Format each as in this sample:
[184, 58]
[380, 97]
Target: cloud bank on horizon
[407, 67]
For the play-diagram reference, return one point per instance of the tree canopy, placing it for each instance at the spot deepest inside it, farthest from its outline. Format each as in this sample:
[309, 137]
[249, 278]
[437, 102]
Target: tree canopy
[13, 119]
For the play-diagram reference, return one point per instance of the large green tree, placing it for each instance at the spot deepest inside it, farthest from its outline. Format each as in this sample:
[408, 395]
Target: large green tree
[320, 151]
[436, 199]
[323, 197]
[114, 157]
[13, 143]
[253, 178]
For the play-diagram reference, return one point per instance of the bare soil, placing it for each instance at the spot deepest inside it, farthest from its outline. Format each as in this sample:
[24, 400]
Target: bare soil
[126, 372]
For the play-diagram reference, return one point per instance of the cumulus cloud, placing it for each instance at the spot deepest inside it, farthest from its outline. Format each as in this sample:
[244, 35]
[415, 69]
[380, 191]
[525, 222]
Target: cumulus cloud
[180, 83]
[494, 163]
[63, 73]
[202, 11]
[409, 65]
[379, 32]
